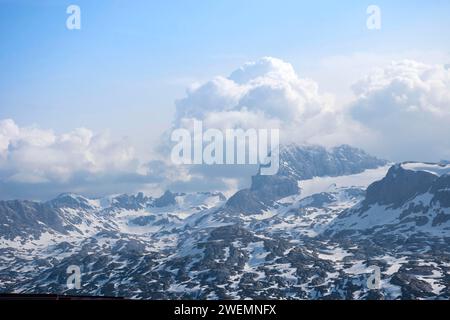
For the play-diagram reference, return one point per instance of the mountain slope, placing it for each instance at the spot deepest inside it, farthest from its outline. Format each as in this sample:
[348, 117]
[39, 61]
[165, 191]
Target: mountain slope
[407, 201]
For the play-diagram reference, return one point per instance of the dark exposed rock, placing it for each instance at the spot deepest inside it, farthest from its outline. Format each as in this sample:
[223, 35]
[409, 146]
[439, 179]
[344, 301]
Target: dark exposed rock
[306, 162]
[412, 288]
[133, 202]
[399, 186]
[167, 199]
[441, 191]
[245, 201]
[27, 218]
[69, 200]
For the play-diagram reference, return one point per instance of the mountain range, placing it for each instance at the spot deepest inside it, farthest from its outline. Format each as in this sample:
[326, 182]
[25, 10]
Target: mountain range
[316, 230]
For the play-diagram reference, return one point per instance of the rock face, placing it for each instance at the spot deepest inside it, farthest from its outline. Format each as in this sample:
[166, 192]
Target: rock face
[246, 201]
[266, 242]
[133, 202]
[441, 191]
[275, 187]
[399, 186]
[167, 199]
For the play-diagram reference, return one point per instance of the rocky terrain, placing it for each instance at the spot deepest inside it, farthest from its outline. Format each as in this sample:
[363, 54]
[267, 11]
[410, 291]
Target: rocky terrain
[319, 229]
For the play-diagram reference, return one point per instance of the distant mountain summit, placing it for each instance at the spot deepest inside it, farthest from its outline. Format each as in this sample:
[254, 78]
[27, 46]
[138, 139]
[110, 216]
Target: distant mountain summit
[71, 200]
[306, 162]
[301, 163]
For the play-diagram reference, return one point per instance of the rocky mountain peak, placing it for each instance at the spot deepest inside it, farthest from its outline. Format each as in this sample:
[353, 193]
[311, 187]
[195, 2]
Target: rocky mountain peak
[71, 200]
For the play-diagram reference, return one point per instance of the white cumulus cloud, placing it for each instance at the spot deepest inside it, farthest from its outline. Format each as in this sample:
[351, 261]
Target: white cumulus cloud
[406, 106]
[39, 164]
[267, 93]
[399, 112]
[31, 154]
[264, 94]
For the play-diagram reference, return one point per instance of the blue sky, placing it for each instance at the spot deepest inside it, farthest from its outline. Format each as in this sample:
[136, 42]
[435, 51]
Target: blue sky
[132, 60]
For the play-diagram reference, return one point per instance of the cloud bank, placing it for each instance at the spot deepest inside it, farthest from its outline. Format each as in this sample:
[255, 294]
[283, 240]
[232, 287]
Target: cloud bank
[266, 93]
[406, 106]
[399, 112]
[35, 162]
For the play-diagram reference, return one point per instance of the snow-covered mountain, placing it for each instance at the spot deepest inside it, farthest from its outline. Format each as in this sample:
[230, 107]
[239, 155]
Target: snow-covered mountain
[301, 163]
[316, 230]
[413, 198]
